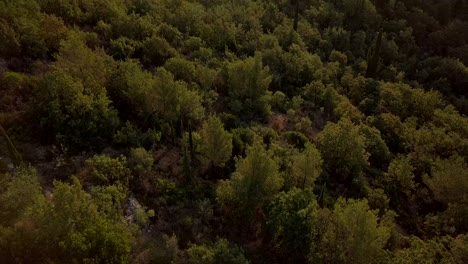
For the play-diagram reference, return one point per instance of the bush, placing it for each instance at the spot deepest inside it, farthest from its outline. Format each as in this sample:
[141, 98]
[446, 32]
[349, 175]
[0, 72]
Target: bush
[104, 170]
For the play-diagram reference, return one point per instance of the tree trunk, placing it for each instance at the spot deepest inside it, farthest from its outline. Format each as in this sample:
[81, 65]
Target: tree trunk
[190, 140]
[373, 58]
[296, 16]
[15, 156]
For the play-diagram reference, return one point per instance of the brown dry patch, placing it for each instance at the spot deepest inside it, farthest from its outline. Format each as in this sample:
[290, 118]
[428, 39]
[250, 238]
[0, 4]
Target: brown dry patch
[279, 122]
[167, 162]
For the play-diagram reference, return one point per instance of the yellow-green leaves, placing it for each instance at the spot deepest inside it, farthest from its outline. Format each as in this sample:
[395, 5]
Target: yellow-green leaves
[172, 100]
[290, 223]
[399, 177]
[307, 167]
[343, 149]
[72, 113]
[104, 170]
[255, 181]
[351, 233]
[216, 143]
[220, 252]
[248, 83]
[449, 180]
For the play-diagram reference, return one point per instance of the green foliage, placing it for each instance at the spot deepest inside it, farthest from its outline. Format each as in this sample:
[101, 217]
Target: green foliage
[220, 252]
[132, 136]
[255, 181]
[248, 83]
[205, 77]
[298, 139]
[140, 161]
[399, 178]
[157, 50]
[424, 252]
[355, 7]
[299, 67]
[321, 96]
[132, 26]
[128, 88]
[216, 143]
[375, 146]
[69, 111]
[450, 71]
[166, 250]
[17, 194]
[71, 101]
[172, 100]
[110, 199]
[451, 120]
[90, 67]
[364, 98]
[307, 167]
[335, 37]
[182, 69]
[400, 99]
[377, 199]
[429, 141]
[104, 170]
[356, 87]
[123, 48]
[449, 180]
[10, 45]
[345, 109]
[54, 32]
[241, 139]
[290, 223]
[336, 56]
[145, 94]
[343, 149]
[69, 227]
[85, 11]
[352, 233]
[22, 25]
[94, 239]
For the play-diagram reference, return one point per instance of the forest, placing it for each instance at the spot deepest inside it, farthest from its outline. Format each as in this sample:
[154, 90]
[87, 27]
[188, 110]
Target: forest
[234, 131]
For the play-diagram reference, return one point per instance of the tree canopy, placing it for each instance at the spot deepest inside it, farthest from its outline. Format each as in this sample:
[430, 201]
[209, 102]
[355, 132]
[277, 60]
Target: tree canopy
[220, 131]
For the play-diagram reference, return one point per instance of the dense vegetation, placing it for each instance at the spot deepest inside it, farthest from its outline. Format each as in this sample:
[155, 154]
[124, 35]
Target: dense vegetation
[241, 131]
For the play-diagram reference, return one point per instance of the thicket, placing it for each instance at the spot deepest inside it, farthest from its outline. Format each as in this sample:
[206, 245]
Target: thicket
[183, 131]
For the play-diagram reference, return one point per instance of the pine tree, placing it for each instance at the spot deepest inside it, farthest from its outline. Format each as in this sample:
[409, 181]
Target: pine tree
[216, 143]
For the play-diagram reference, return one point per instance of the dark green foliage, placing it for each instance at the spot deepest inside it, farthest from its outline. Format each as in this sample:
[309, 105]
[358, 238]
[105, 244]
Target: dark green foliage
[220, 252]
[68, 228]
[156, 51]
[373, 58]
[449, 186]
[128, 86]
[252, 185]
[65, 109]
[129, 135]
[375, 146]
[140, 161]
[297, 139]
[123, 48]
[241, 139]
[290, 222]
[248, 83]
[343, 149]
[104, 170]
[10, 45]
[351, 233]
[18, 192]
[177, 131]
[307, 167]
[216, 143]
